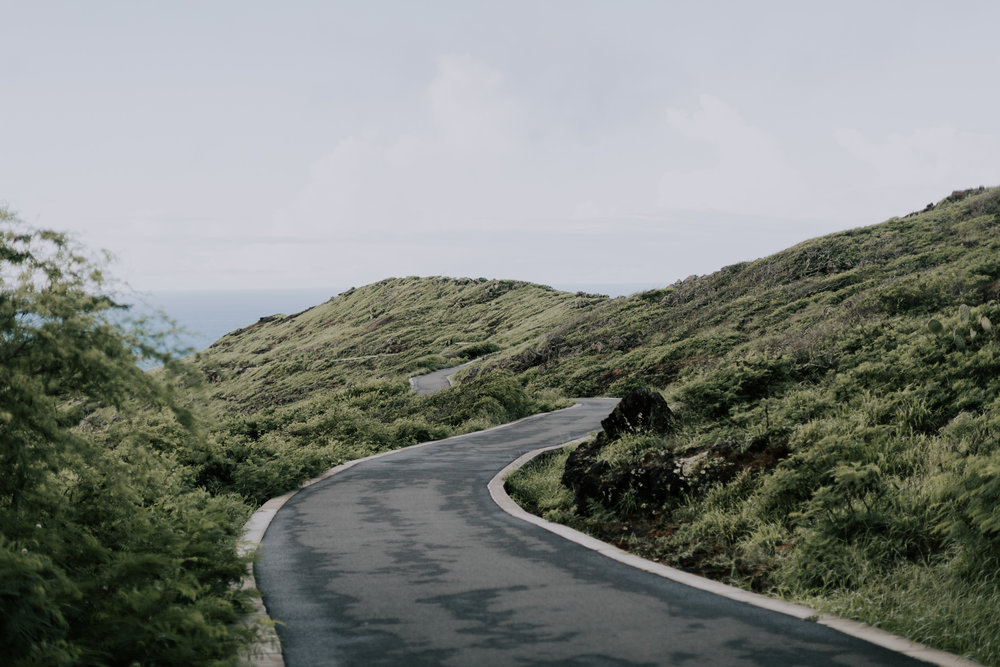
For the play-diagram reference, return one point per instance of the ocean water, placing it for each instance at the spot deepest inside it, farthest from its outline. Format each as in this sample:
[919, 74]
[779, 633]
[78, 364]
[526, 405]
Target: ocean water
[208, 315]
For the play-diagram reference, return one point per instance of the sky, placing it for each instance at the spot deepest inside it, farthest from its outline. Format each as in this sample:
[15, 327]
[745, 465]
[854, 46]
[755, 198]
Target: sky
[303, 144]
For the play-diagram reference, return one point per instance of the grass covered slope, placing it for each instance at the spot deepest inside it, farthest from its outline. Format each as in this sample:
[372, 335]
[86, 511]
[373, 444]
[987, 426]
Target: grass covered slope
[294, 395]
[385, 330]
[837, 434]
[801, 303]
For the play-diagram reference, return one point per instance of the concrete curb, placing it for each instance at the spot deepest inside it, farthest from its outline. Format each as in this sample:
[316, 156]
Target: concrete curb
[848, 627]
[266, 652]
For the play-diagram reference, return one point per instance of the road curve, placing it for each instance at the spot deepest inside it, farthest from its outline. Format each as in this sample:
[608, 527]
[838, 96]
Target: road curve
[430, 383]
[406, 560]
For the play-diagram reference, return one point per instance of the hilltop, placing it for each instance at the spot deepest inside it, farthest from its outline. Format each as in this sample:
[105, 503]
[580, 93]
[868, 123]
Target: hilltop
[381, 331]
[292, 395]
[803, 302]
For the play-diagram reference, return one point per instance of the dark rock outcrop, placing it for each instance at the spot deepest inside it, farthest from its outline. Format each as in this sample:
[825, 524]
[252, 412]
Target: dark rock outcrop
[641, 410]
[583, 472]
[658, 476]
[529, 359]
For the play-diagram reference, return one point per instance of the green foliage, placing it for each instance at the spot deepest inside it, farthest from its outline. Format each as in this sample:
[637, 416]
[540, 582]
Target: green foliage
[108, 553]
[537, 486]
[496, 398]
[476, 350]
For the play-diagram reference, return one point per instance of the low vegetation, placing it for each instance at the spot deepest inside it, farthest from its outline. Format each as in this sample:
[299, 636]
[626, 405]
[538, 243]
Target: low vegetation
[856, 379]
[294, 395]
[110, 552]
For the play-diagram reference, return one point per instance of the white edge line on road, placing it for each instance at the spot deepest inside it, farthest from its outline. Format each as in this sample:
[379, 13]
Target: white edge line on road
[853, 628]
[266, 652]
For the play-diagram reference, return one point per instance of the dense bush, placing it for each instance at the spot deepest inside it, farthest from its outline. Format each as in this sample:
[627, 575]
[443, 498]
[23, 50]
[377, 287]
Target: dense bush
[477, 350]
[492, 399]
[109, 552]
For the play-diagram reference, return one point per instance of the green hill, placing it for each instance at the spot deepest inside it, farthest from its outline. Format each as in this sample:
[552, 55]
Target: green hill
[803, 302]
[837, 419]
[382, 331]
[293, 395]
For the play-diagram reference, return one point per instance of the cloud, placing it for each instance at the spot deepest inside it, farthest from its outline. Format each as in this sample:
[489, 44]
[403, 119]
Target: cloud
[926, 162]
[747, 171]
[454, 173]
[852, 179]
[469, 108]
[348, 189]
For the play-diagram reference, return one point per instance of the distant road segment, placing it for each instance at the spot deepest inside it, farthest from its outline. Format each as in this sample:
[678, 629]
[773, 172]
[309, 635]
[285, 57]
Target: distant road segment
[436, 381]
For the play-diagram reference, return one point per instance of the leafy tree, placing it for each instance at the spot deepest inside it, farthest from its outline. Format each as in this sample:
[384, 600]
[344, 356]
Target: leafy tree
[108, 552]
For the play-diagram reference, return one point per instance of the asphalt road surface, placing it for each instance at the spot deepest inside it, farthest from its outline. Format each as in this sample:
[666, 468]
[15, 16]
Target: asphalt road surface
[406, 560]
[433, 382]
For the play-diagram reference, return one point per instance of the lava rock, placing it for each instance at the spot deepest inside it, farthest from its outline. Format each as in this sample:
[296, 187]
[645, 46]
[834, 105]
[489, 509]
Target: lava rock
[583, 472]
[641, 410]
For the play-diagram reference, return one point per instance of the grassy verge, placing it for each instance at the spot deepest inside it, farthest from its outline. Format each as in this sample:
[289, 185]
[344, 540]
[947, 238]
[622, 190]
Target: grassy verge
[537, 488]
[881, 556]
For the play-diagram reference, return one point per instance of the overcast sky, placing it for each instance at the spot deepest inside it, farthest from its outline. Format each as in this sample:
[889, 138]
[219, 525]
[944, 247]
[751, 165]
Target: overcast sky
[216, 145]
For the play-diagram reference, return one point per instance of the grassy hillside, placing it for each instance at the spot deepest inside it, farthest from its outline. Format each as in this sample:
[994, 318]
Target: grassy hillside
[837, 421]
[293, 395]
[399, 326]
[802, 302]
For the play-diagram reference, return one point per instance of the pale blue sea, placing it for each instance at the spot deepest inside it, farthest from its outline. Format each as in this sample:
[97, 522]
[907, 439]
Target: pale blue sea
[208, 315]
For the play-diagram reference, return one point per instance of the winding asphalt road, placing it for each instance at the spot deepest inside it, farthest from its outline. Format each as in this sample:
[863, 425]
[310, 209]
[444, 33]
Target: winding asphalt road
[406, 560]
[430, 383]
